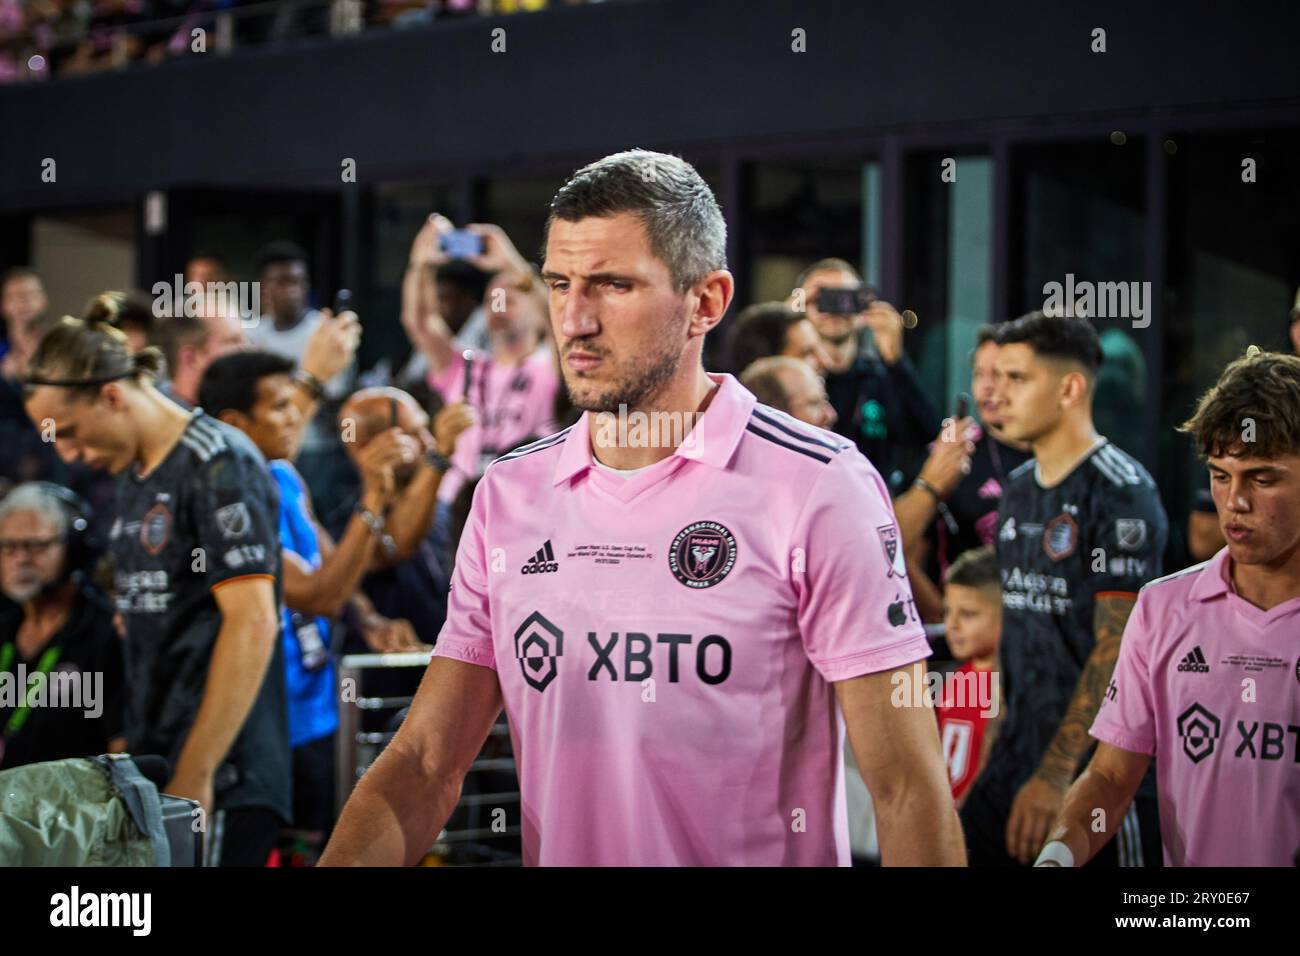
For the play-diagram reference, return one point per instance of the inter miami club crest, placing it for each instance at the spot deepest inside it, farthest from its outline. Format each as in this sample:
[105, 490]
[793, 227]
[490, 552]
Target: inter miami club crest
[893, 553]
[1060, 537]
[702, 554]
[155, 528]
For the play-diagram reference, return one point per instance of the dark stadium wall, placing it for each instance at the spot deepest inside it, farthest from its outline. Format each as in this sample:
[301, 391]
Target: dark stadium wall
[577, 82]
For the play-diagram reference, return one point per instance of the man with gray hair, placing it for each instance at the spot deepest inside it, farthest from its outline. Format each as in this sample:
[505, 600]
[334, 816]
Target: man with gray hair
[678, 625]
[60, 659]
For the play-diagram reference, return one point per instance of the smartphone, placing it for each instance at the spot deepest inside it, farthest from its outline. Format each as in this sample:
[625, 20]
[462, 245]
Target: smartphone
[461, 244]
[846, 300]
[962, 406]
[468, 356]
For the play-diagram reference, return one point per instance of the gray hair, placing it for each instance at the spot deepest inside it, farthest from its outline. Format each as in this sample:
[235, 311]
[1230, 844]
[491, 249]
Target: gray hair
[679, 211]
[30, 496]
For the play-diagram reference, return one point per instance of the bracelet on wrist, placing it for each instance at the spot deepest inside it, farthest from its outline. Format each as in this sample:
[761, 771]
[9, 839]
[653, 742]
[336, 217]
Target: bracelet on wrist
[371, 520]
[926, 486]
[309, 382]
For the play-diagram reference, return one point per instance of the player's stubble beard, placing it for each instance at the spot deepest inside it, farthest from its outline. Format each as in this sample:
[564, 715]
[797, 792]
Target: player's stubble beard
[653, 370]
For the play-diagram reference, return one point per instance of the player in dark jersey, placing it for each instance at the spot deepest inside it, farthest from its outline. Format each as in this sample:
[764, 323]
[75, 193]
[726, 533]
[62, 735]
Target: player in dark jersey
[196, 556]
[952, 507]
[1080, 530]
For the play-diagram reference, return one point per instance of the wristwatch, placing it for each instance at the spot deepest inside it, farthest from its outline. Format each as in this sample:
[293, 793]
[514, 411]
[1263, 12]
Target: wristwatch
[376, 525]
[439, 461]
[372, 521]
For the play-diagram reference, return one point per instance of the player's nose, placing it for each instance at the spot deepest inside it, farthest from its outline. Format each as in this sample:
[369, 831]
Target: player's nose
[578, 317]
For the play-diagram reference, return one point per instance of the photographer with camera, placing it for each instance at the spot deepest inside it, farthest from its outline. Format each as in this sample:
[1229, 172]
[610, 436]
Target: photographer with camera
[870, 381]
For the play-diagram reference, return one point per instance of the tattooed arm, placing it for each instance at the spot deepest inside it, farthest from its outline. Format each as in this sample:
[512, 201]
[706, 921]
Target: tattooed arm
[1039, 801]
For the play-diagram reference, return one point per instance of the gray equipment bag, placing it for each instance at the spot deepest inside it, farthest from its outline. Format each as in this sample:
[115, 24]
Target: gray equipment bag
[92, 811]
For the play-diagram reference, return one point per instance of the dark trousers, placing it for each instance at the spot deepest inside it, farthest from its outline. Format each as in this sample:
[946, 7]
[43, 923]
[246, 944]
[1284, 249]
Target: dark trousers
[244, 836]
[984, 823]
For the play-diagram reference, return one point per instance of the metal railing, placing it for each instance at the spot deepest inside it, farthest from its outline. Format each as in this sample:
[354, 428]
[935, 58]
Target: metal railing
[470, 841]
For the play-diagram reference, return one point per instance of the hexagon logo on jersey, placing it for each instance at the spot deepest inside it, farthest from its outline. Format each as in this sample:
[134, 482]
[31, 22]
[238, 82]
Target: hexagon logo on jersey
[1199, 729]
[702, 554]
[539, 644]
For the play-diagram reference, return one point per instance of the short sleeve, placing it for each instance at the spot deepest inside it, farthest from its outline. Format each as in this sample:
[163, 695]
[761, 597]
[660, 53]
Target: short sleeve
[1126, 540]
[1126, 718]
[855, 608]
[450, 382]
[236, 518]
[466, 634]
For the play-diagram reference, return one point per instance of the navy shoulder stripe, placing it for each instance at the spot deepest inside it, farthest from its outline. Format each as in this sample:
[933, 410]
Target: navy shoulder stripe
[539, 445]
[794, 429]
[785, 444]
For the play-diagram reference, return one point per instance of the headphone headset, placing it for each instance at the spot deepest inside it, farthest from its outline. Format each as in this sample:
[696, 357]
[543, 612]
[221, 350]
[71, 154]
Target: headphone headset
[78, 549]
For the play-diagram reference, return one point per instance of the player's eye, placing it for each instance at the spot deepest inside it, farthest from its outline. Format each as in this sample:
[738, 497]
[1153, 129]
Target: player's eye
[558, 286]
[618, 284]
[1219, 478]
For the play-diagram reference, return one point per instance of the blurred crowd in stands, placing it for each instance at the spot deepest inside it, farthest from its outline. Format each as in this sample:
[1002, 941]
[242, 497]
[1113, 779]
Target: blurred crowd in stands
[43, 38]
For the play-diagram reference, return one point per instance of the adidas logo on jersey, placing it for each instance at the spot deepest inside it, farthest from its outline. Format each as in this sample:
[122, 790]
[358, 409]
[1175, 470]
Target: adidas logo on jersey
[543, 562]
[1195, 662]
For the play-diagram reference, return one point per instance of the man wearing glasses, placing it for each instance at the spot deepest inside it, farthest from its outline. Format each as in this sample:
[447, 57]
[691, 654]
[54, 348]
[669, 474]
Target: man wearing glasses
[60, 660]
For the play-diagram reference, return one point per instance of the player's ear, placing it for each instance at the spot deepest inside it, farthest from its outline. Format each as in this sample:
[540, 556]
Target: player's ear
[1074, 388]
[714, 293]
[235, 418]
[113, 395]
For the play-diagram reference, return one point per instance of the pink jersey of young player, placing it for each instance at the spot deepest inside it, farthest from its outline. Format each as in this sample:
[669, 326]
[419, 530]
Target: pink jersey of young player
[1210, 685]
[665, 642]
[512, 402]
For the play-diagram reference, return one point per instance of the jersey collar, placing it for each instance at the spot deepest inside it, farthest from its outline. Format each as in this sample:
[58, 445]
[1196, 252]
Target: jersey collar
[1213, 581]
[712, 441]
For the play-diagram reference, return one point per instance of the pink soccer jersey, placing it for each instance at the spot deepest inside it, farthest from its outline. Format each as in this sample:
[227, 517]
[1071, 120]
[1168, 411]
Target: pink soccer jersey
[513, 402]
[665, 643]
[1210, 685]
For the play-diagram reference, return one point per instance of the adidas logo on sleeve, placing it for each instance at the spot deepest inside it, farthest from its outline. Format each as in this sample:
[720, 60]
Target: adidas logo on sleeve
[1194, 661]
[543, 562]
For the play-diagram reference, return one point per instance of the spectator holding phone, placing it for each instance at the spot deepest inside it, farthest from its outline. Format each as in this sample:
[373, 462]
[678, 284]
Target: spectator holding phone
[870, 381]
[511, 389]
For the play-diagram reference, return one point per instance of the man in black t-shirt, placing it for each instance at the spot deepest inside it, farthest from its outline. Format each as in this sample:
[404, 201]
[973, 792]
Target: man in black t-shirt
[870, 382]
[1080, 530]
[196, 554]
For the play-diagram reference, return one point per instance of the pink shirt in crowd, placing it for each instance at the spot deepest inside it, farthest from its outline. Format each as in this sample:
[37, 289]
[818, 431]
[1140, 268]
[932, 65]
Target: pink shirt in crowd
[1210, 685]
[665, 643]
[513, 402]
